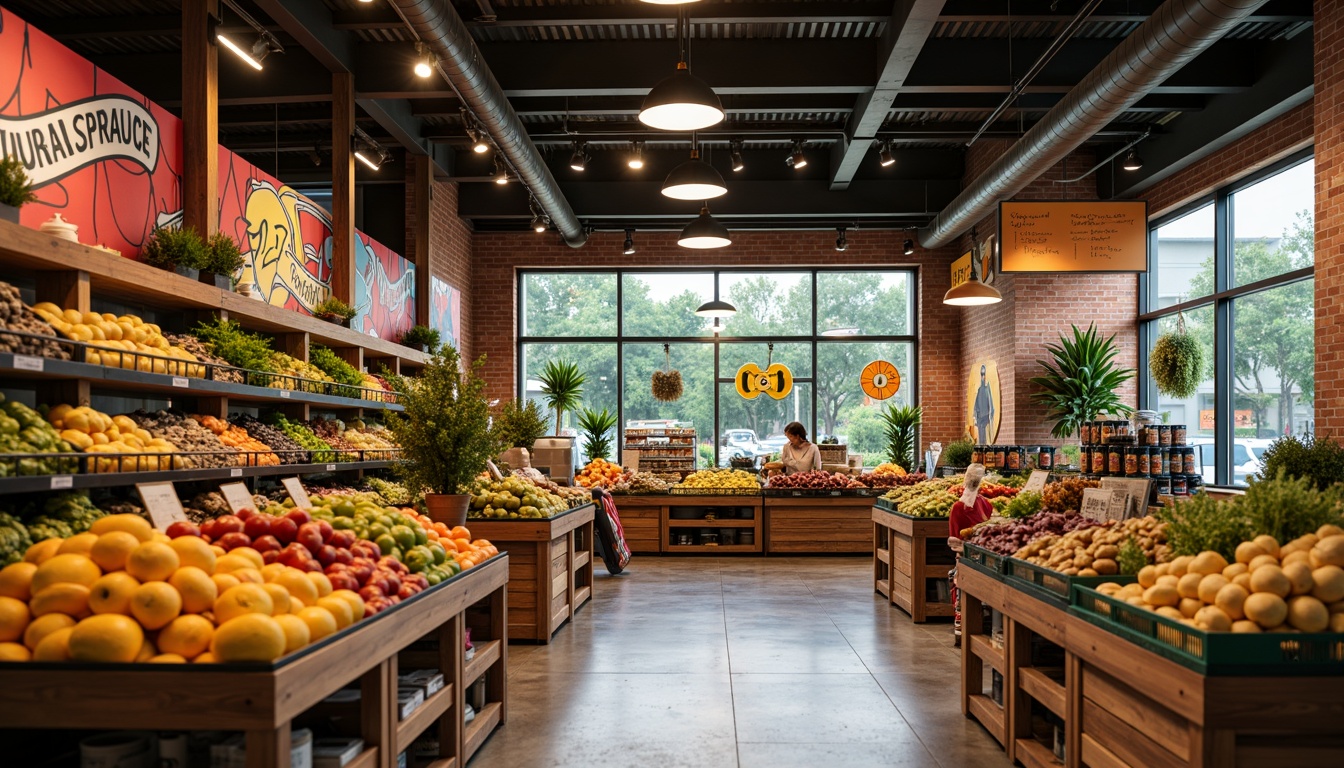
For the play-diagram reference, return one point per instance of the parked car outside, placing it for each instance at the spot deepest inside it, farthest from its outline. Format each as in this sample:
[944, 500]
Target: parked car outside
[739, 443]
[1246, 455]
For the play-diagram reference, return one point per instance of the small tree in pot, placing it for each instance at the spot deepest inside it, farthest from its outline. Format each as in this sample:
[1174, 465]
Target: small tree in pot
[222, 261]
[178, 250]
[516, 427]
[15, 188]
[444, 432]
[1081, 380]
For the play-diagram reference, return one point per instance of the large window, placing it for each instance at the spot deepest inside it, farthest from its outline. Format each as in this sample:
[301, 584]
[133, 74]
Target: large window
[825, 325]
[1237, 270]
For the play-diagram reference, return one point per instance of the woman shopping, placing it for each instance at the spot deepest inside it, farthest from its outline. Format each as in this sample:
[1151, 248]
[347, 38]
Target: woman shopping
[969, 511]
[798, 455]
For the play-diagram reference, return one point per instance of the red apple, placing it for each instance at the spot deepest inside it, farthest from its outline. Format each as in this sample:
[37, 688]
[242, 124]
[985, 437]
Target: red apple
[392, 564]
[209, 529]
[326, 555]
[393, 582]
[257, 526]
[344, 556]
[264, 544]
[367, 549]
[393, 600]
[343, 580]
[299, 516]
[246, 513]
[337, 568]
[326, 528]
[311, 566]
[310, 536]
[228, 524]
[235, 540]
[407, 590]
[371, 592]
[343, 539]
[284, 529]
[183, 528]
[270, 557]
[294, 555]
[418, 579]
[362, 569]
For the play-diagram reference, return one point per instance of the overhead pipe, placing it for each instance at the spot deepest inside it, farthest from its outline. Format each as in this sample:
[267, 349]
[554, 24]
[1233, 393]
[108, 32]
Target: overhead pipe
[1176, 32]
[461, 62]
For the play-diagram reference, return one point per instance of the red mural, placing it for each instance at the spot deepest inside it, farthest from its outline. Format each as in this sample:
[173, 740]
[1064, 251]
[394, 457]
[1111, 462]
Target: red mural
[384, 290]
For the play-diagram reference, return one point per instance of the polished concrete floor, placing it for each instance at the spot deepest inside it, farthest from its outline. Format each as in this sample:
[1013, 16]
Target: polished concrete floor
[727, 661]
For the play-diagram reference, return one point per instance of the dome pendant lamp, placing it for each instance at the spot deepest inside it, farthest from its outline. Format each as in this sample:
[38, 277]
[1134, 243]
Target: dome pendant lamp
[704, 232]
[682, 102]
[716, 309]
[694, 180]
[973, 292]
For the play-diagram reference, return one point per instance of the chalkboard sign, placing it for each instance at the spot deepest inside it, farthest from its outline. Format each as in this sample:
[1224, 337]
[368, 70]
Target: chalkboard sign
[1073, 236]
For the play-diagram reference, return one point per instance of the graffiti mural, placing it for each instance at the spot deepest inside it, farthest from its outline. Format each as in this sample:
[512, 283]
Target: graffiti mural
[384, 290]
[445, 311]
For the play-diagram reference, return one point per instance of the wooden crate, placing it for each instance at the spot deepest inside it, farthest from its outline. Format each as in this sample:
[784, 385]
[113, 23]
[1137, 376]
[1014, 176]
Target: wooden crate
[903, 560]
[641, 517]
[823, 525]
[674, 521]
[263, 700]
[550, 568]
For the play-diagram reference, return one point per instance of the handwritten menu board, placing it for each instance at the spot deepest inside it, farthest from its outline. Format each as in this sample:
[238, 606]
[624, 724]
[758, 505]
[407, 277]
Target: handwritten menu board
[1073, 236]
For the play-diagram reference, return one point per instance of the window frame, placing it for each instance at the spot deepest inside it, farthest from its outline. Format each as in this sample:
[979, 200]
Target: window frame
[1222, 299]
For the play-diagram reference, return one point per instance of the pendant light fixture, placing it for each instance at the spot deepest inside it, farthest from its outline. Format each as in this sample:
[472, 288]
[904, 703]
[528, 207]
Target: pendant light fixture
[716, 309]
[669, 2]
[682, 102]
[716, 328]
[501, 175]
[704, 232]
[579, 160]
[540, 221]
[909, 249]
[841, 243]
[424, 61]
[973, 292]
[629, 248]
[1132, 161]
[694, 179]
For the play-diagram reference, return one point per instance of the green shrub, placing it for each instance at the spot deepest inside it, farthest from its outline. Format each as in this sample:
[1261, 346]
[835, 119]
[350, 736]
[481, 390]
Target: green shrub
[222, 256]
[15, 188]
[1320, 460]
[169, 247]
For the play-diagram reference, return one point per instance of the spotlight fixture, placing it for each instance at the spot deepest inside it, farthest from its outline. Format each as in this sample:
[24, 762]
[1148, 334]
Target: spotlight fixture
[367, 157]
[478, 143]
[884, 156]
[840, 242]
[501, 175]
[909, 249]
[629, 248]
[796, 158]
[636, 160]
[579, 160]
[694, 180]
[716, 309]
[540, 222]
[1132, 161]
[681, 102]
[424, 60]
[265, 44]
[704, 232]
[973, 292]
[368, 151]
[736, 154]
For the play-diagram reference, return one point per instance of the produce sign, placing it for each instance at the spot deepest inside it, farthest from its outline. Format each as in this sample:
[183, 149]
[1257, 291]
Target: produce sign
[880, 380]
[775, 381]
[1072, 236]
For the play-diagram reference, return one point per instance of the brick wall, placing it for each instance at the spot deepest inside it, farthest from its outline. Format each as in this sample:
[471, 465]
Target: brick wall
[498, 256]
[1329, 130]
[450, 247]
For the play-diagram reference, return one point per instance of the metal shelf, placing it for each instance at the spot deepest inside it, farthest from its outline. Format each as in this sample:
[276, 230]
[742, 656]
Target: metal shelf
[28, 484]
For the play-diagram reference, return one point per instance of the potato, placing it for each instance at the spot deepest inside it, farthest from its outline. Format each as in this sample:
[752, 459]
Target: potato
[1248, 551]
[1189, 606]
[1213, 619]
[1107, 552]
[1328, 551]
[1206, 563]
[1266, 609]
[1188, 586]
[1270, 578]
[1308, 614]
[1299, 576]
[1231, 599]
[1169, 612]
[1148, 575]
[1108, 588]
[1210, 585]
[1236, 569]
[1245, 626]
[1328, 584]
[1180, 565]
[1163, 594]
[1262, 560]
[1088, 572]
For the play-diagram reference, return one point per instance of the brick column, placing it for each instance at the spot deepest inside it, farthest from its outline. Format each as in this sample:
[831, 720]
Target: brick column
[1329, 108]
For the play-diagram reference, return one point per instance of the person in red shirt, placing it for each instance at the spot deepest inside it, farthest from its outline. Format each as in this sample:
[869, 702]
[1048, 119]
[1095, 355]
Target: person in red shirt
[970, 510]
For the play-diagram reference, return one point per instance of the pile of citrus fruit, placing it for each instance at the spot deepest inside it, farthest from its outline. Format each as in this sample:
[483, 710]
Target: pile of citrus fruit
[599, 472]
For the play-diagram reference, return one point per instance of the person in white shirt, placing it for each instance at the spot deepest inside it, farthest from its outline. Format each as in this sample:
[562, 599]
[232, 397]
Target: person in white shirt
[799, 455]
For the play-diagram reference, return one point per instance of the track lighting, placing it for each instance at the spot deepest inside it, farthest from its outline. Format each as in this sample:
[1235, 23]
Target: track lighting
[704, 232]
[1132, 161]
[501, 175]
[909, 247]
[579, 160]
[629, 248]
[478, 143]
[263, 46]
[840, 242]
[694, 180]
[668, 2]
[368, 151]
[424, 60]
[884, 156]
[736, 154]
[540, 221]
[796, 158]
[636, 160]
[374, 161]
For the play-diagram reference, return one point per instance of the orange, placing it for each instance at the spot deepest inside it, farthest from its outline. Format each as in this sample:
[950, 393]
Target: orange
[204, 658]
[152, 561]
[295, 629]
[279, 597]
[248, 576]
[79, 544]
[231, 562]
[109, 637]
[194, 552]
[42, 626]
[320, 581]
[319, 620]
[223, 581]
[161, 537]
[14, 619]
[112, 548]
[339, 609]
[64, 569]
[155, 604]
[250, 554]
[42, 551]
[14, 580]
[70, 599]
[244, 598]
[112, 593]
[18, 652]
[168, 658]
[299, 585]
[460, 532]
[55, 646]
[249, 637]
[187, 636]
[197, 589]
[147, 651]
[355, 601]
[463, 543]
[132, 524]
[271, 570]
[218, 550]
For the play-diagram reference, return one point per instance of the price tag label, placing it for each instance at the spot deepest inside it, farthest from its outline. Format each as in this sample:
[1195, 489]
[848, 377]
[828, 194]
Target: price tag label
[62, 481]
[297, 493]
[237, 496]
[235, 472]
[1139, 490]
[1102, 505]
[331, 467]
[162, 503]
[28, 363]
[180, 381]
[284, 393]
[1036, 483]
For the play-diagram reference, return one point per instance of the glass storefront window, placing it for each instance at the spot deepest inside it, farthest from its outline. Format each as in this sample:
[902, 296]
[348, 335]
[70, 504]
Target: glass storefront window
[865, 304]
[577, 304]
[768, 303]
[663, 303]
[1182, 264]
[1272, 225]
[843, 410]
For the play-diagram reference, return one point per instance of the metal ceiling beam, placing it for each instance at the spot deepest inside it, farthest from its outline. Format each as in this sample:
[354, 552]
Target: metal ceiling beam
[907, 31]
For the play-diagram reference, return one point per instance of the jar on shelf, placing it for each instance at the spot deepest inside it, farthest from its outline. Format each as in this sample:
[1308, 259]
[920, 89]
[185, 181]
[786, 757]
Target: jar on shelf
[1099, 461]
[1164, 434]
[978, 454]
[1178, 434]
[1045, 457]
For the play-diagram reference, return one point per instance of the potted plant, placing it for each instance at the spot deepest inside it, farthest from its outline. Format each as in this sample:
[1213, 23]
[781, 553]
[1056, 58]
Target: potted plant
[516, 428]
[1080, 381]
[15, 188]
[222, 261]
[421, 337]
[900, 422]
[333, 310]
[176, 249]
[444, 432]
[562, 385]
[597, 429]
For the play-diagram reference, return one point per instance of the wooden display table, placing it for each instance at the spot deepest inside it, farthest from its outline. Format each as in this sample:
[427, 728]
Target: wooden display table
[902, 549]
[738, 514]
[817, 525]
[642, 519]
[262, 700]
[550, 568]
[1123, 705]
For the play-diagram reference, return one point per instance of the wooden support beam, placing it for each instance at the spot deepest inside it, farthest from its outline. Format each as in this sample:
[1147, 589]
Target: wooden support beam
[422, 192]
[66, 288]
[200, 119]
[342, 187]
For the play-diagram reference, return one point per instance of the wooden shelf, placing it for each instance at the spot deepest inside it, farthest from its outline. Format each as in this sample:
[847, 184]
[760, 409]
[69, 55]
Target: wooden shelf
[883, 556]
[981, 646]
[32, 483]
[480, 728]
[486, 654]
[1043, 689]
[1034, 754]
[447, 762]
[989, 714]
[366, 759]
[429, 712]
[683, 523]
[708, 549]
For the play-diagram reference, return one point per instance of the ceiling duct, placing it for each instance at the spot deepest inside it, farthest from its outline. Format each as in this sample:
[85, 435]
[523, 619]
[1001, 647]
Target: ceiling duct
[1176, 32]
[439, 26]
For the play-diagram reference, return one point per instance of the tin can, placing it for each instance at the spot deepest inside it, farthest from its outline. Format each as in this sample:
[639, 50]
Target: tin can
[1178, 434]
[1045, 458]
[1115, 460]
[1164, 434]
[1162, 485]
[1013, 456]
[1107, 431]
[1178, 486]
[978, 454]
[1098, 460]
[1194, 484]
[1145, 454]
[1148, 435]
[1131, 461]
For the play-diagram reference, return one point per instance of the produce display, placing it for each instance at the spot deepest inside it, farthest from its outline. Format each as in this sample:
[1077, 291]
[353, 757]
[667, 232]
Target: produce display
[574, 496]
[1006, 538]
[294, 373]
[1296, 587]
[112, 335]
[16, 316]
[926, 499]
[303, 437]
[228, 340]
[1066, 495]
[14, 539]
[988, 490]
[513, 498]
[887, 468]
[332, 432]
[390, 492]
[815, 480]
[237, 438]
[93, 431]
[188, 436]
[890, 479]
[1024, 504]
[337, 368]
[59, 515]
[716, 480]
[639, 482]
[23, 430]
[1095, 550]
[287, 450]
[599, 473]
[201, 352]
[368, 436]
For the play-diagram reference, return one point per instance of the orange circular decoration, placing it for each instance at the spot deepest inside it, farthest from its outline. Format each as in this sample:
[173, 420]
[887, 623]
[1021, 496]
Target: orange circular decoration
[880, 380]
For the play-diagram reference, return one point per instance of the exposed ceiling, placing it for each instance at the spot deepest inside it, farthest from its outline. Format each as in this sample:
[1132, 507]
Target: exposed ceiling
[839, 75]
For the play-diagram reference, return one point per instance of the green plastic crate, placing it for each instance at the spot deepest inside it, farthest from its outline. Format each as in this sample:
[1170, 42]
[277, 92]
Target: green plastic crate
[1049, 585]
[983, 560]
[1213, 653]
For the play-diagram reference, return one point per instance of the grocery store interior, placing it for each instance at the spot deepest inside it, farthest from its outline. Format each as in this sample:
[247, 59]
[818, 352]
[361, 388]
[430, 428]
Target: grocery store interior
[434, 383]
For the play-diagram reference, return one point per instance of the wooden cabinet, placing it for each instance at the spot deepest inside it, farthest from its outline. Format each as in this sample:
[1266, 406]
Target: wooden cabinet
[820, 525]
[642, 520]
[911, 561]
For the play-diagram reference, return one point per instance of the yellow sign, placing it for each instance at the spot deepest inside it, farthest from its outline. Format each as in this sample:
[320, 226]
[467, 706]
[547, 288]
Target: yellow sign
[775, 381]
[1073, 236]
[880, 380]
[961, 270]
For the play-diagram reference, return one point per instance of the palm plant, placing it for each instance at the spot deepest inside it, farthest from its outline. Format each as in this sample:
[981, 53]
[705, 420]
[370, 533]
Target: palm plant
[900, 422]
[562, 384]
[597, 429]
[1081, 381]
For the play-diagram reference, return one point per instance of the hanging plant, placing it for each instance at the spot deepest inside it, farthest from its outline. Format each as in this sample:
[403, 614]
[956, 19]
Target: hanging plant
[1177, 362]
[667, 383]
